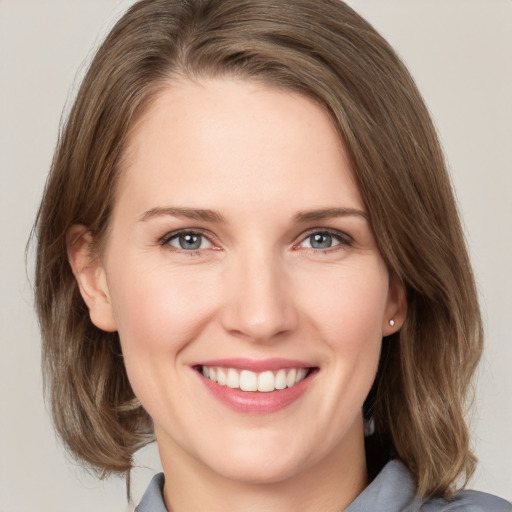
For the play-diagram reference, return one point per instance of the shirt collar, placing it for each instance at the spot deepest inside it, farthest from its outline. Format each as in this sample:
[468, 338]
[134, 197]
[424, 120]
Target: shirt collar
[391, 491]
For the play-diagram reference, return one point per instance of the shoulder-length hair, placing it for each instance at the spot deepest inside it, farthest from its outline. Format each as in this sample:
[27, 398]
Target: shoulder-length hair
[323, 50]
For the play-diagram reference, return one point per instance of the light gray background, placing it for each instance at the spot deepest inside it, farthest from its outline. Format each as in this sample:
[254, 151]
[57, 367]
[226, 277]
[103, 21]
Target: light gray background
[460, 53]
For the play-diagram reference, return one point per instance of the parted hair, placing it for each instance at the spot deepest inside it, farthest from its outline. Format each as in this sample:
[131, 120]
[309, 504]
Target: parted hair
[325, 51]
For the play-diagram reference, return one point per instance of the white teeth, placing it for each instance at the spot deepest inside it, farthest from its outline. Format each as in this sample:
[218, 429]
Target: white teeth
[247, 380]
[232, 380]
[266, 382]
[290, 378]
[221, 376]
[301, 373]
[280, 382]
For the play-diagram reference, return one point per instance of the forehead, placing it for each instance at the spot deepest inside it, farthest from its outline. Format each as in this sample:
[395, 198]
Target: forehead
[254, 139]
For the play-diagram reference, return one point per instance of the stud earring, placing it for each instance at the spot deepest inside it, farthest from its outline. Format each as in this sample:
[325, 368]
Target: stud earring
[392, 323]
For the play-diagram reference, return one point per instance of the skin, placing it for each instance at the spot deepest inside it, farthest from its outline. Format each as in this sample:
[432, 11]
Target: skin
[256, 289]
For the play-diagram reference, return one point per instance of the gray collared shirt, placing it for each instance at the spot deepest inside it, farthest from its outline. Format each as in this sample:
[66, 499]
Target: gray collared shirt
[391, 491]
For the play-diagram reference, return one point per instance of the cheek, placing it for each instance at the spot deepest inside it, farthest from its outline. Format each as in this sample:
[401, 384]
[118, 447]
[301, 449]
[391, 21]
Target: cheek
[348, 306]
[160, 310]
[346, 319]
[158, 314]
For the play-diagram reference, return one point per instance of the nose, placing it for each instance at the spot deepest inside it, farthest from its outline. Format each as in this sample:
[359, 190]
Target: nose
[258, 303]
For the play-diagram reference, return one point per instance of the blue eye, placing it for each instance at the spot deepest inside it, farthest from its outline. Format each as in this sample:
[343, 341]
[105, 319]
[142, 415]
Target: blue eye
[323, 240]
[188, 241]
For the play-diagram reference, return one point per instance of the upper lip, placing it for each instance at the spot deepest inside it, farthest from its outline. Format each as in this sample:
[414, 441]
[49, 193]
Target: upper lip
[255, 365]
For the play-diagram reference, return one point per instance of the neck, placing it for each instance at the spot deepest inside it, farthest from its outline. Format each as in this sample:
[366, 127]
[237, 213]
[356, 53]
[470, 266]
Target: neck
[330, 484]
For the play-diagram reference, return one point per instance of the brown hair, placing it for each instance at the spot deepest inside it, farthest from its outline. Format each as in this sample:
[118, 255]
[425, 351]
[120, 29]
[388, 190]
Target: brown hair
[324, 50]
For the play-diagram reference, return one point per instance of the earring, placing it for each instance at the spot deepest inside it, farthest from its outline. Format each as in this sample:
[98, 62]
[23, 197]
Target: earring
[392, 323]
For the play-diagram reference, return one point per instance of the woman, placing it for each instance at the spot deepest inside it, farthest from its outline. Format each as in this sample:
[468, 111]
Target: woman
[248, 249]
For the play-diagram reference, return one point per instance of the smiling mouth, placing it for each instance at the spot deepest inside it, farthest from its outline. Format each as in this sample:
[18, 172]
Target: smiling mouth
[247, 380]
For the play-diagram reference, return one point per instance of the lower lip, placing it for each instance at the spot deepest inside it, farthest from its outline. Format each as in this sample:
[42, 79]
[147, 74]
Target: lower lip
[257, 402]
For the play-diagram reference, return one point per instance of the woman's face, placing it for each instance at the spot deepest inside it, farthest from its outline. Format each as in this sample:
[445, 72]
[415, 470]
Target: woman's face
[239, 248]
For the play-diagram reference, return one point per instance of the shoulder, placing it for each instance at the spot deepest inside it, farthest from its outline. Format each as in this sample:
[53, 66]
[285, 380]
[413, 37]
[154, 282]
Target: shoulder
[468, 501]
[393, 490]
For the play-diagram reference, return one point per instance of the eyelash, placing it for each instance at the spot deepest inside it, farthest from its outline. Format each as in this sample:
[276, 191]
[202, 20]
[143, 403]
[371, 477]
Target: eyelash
[166, 239]
[343, 239]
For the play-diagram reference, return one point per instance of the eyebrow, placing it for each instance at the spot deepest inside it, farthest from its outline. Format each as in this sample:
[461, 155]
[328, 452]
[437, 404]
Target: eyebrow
[188, 213]
[216, 217]
[328, 213]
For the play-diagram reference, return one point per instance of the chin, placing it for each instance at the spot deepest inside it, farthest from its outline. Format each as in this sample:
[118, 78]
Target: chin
[258, 473]
[259, 462]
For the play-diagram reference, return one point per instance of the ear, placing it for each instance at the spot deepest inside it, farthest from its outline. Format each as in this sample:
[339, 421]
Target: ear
[396, 307]
[90, 275]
